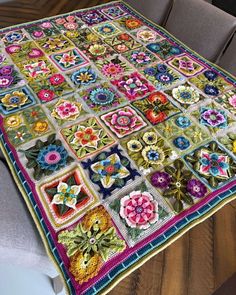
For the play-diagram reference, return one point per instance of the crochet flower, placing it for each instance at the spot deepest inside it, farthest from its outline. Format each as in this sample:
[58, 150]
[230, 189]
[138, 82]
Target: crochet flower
[109, 170]
[213, 117]
[186, 65]
[133, 23]
[196, 188]
[106, 29]
[66, 195]
[11, 49]
[183, 122]
[52, 157]
[38, 34]
[97, 49]
[66, 110]
[102, 96]
[14, 100]
[210, 75]
[134, 145]
[6, 70]
[124, 120]
[37, 68]
[153, 155]
[87, 136]
[211, 90]
[232, 101]
[68, 59]
[84, 76]
[140, 57]
[139, 209]
[35, 53]
[71, 26]
[13, 121]
[165, 78]
[112, 69]
[181, 142]
[160, 179]
[6, 81]
[146, 35]
[40, 127]
[186, 95]
[214, 164]
[46, 95]
[56, 79]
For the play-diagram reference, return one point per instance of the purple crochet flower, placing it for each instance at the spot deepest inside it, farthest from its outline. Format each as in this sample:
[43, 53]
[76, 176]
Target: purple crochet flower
[213, 117]
[196, 188]
[6, 70]
[6, 81]
[160, 179]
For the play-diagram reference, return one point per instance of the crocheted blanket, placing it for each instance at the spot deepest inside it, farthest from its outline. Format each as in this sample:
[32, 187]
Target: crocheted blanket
[119, 137]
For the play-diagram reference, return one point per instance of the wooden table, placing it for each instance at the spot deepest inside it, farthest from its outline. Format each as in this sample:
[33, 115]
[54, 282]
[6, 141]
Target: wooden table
[200, 261]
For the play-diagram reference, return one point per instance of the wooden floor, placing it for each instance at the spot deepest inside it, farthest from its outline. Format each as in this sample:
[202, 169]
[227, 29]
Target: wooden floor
[202, 259]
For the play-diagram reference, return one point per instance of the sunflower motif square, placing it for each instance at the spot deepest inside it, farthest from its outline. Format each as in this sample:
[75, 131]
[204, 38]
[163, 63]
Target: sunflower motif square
[213, 117]
[27, 51]
[213, 164]
[42, 30]
[26, 125]
[156, 107]
[96, 50]
[110, 171]
[178, 185]
[133, 86]
[162, 76]
[86, 138]
[140, 57]
[113, 12]
[182, 133]
[113, 67]
[92, 17]
[90, 243]
[130, 22]
[83, 35]
[123, 121]
[39, 69]
[66, 197]
[147, 35]
[210, 83]
[66, 110]
[228, 101]
[164, 49]
[122, 43]
[186, 65]
[69, 59]
[106, 30]
[51, 88]
[44, 158]
[138, 211]
[83, 77]
[186, 95]
[13, 37]
[148, 150]
[9, 77]
[17, 99]
[55, 43]
[101, 98]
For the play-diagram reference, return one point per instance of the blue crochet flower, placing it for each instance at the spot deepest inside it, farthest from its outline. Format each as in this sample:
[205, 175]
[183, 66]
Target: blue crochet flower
[84, 76]
[154, 47]
[13, 37]
[161, 68]
[150, 71]
[210, 75]
[211, 90]
[181, 143]
[52, 157]
[102, 96]
[165, 78]
[175, 50]
[183, 122]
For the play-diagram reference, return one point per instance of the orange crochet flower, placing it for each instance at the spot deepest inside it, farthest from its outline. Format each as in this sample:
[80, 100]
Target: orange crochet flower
[97, 216]
[133, 23]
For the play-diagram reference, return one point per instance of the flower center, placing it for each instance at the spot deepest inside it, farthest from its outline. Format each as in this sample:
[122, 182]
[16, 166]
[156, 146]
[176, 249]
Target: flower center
[214, 163]
[123, 120]
[139, 209]
[52, 157]
[178, 184]
[185, 95]
[110, 169]
[14, 99]
[92, 241]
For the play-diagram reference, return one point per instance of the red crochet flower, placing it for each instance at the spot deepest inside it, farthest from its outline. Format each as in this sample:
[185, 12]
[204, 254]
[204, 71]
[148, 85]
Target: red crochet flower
[46, 95]
[56, 79]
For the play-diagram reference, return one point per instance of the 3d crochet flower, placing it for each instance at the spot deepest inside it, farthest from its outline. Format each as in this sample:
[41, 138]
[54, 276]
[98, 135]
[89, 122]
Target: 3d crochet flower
[214, 164]
[87, 136]
[66, 110]
[139, 209]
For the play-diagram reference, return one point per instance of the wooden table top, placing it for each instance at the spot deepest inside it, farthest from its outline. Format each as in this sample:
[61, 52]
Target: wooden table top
[200, 261]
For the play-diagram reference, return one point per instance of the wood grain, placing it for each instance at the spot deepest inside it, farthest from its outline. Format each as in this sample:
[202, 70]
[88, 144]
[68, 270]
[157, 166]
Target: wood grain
[203, 258]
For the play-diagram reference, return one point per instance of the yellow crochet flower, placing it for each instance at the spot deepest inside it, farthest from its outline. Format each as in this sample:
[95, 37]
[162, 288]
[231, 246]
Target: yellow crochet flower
[92, 37]
[13, 121]
[14, 100]
[40, 126]
[97, 49]
[72, 34]
[97, 216]
[234, 146]
[84, 267]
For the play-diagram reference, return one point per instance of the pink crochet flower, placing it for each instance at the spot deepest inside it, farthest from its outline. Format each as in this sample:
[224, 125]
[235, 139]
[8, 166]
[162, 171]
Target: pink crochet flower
[139, 209]
[67, 109]
[123, 120]
[112, 69]
[232, 101]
